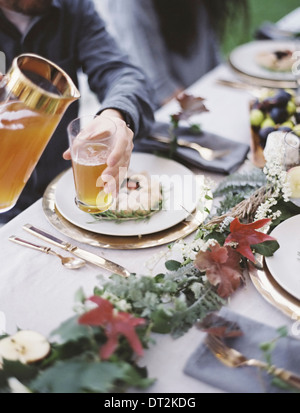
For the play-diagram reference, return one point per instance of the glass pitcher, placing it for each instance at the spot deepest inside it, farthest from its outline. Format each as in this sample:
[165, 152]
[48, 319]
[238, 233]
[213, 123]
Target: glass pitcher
[34, 95]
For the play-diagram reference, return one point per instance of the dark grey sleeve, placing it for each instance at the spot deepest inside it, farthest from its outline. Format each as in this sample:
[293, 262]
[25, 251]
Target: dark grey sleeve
[117, 83]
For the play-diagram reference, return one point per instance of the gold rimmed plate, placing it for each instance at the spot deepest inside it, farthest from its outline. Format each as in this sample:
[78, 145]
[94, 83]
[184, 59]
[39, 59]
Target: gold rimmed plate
[180, 187]
[272, 291]
[243, 61]
[178, 231]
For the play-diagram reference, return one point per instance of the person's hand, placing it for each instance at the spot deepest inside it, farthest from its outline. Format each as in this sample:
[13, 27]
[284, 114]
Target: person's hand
[119, 159]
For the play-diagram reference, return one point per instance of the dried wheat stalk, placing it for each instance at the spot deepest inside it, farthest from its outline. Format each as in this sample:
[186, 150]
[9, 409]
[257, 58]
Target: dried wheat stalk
[245, 209]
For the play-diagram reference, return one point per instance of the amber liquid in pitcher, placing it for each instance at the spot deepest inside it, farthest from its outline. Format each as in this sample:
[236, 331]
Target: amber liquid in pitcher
[24, 134]
[34, 95]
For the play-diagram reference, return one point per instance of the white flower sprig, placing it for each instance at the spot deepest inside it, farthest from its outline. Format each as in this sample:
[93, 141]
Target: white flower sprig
[188, 250]
[276, 176]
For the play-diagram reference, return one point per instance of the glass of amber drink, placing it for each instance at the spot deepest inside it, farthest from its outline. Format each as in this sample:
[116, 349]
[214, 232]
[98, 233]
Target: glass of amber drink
[90, 149]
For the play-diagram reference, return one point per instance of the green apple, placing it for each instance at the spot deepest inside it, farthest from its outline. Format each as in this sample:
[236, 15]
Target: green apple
[288, 123]
[296, 129]
[25, 346]
[290, 91]
[291, 107]
[294, 181]
[268, 122]
[256, 117]
[266, 93]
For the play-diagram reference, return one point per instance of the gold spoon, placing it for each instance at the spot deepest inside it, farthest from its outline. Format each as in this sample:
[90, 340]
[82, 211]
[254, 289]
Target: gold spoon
[71, 263]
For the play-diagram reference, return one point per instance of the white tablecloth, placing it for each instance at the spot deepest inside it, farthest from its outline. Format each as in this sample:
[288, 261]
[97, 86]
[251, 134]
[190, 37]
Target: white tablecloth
[37, 293]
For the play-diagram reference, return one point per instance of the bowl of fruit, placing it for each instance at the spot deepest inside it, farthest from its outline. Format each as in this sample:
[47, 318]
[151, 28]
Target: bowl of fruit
[273, 110]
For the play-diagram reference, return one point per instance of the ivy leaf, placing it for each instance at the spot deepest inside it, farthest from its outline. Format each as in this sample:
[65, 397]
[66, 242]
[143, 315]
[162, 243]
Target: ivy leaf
[137, 376]
[216, 235]
[70, 330]
[22, 372]
[195, 128]
[79, 377]
[267, 248]
[288, 210]
[172, 265]
[161, 322]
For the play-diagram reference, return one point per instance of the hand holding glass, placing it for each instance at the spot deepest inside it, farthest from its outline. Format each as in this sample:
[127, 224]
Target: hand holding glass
[90, 148]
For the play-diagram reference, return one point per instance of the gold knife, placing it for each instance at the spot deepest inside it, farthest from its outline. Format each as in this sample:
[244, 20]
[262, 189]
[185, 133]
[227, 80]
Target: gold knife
[79, 252]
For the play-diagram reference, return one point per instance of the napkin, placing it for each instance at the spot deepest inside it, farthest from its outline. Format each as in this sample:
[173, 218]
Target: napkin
[226, 165]
[203, 365]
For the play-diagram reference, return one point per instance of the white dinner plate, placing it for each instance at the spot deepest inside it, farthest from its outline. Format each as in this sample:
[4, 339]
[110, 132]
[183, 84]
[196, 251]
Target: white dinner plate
[181, 192]
[284, 265]
[242, 58]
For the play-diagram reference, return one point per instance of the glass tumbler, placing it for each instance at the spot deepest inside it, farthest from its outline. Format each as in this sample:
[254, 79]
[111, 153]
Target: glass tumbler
[90, 149]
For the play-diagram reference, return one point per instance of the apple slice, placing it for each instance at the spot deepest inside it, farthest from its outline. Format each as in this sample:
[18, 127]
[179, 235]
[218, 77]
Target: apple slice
[294, 181]
[25, 346]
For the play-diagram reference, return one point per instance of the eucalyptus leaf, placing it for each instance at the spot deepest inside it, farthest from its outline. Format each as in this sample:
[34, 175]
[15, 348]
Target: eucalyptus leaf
[172, 265]
[159, 278]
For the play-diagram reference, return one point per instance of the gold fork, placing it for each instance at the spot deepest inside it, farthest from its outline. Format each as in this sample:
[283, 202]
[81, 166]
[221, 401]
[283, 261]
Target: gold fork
[233, 358]
[205, 153]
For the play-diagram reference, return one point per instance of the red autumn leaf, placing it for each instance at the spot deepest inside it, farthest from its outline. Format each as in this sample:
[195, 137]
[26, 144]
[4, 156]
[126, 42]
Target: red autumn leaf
[222, 268]
[190, 105]
[218, 326]
[246, 235]
[99, 315]
[114, 324]
[124, 325]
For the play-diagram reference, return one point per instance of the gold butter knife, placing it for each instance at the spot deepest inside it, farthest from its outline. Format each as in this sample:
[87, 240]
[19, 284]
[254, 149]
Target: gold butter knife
[79, 252]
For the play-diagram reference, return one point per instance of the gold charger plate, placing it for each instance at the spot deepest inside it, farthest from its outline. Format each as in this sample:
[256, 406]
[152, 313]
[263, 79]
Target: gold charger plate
[181, 230]
[272, 291]
[262, 82]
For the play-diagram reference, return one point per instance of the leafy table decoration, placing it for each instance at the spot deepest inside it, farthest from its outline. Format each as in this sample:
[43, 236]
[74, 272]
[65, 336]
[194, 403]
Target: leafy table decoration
[189, 106]
[101, 348]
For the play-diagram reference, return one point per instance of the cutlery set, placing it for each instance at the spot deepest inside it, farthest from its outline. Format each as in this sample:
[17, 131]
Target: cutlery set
[233, 358]
[82, 255]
